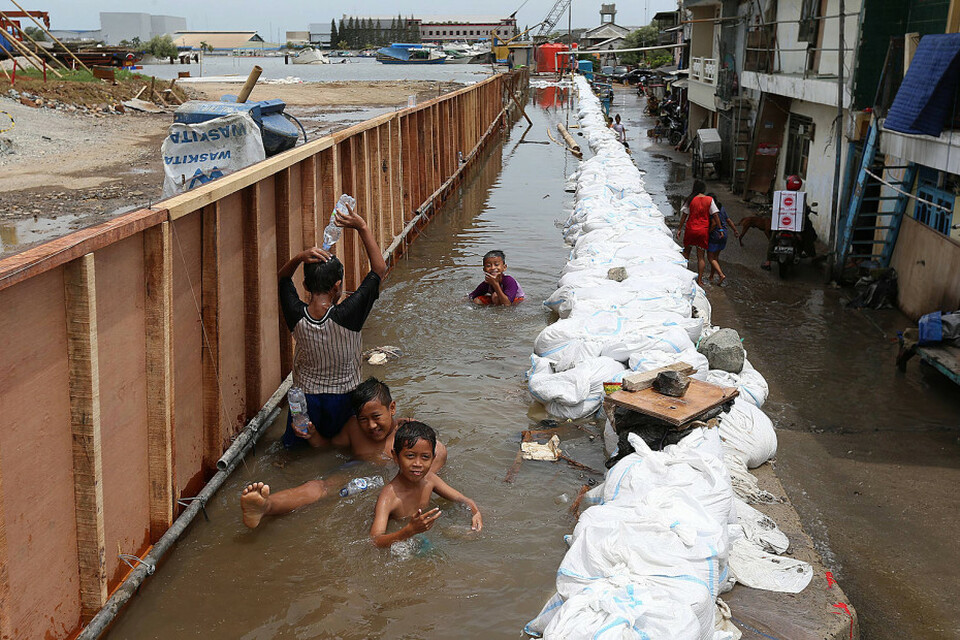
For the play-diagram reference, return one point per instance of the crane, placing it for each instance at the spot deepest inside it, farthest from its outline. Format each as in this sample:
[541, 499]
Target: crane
[552, 18]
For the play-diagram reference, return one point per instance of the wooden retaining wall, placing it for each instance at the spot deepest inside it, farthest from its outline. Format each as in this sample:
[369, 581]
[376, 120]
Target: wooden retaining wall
[132, 352]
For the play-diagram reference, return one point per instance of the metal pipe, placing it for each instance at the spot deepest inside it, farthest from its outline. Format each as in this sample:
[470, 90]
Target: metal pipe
[835, 204]
[105, 617]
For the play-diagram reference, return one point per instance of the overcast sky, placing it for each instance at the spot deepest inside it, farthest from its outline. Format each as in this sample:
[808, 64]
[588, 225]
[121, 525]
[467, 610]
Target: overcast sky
[269, 18]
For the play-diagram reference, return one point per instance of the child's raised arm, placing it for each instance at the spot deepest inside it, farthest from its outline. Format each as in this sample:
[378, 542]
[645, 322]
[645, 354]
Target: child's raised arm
[444, 490]
[381, 517]
[354, 221]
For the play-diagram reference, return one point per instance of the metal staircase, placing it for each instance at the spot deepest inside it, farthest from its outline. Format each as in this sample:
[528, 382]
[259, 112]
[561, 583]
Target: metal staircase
[869, 229]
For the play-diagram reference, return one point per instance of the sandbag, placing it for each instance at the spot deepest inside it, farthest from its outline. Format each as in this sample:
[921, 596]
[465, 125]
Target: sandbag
[747, 433]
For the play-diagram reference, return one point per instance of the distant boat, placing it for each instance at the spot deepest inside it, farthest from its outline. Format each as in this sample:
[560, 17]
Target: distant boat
[309, 55]
[467, 54]
[402, 53]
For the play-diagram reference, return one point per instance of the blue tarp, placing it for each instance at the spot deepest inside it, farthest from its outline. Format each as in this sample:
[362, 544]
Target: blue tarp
[926, 96]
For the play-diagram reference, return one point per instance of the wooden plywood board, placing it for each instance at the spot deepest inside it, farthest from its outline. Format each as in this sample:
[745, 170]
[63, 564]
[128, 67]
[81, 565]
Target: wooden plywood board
[38, 490]
[270, 316]
[252, 325]
[122, 345]
[700, 397]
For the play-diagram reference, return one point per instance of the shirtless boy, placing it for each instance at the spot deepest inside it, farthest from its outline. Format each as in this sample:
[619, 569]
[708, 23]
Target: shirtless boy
[407, 497]
[369, 435]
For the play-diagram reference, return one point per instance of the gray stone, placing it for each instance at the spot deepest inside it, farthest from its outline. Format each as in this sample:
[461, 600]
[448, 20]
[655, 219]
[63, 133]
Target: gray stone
[617, 273]
[724, 351]
[671, 383]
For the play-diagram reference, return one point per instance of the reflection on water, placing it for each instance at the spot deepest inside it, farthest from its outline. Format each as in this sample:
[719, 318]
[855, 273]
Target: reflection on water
[16, 234]
[314, 573]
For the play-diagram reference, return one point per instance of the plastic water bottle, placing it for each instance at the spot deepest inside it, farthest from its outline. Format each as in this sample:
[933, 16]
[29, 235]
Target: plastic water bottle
[359, 485]
[332, 233]
[298, 409]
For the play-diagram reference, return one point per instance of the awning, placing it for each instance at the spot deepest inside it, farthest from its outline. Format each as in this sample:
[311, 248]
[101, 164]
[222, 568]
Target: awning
[925, 98]
[680, 84]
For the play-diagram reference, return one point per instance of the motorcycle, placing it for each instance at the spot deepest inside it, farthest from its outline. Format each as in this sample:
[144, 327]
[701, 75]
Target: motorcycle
[788, 247]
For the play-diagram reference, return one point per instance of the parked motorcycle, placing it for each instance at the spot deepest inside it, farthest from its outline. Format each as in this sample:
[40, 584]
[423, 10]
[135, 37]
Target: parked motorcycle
[788, 247]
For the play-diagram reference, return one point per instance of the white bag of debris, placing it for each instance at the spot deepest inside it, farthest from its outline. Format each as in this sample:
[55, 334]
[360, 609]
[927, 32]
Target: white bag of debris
[753, 387]
[753, 567]
[695, 464]
[747, 433]
[195, 154]
[641, 361]
[576, 392]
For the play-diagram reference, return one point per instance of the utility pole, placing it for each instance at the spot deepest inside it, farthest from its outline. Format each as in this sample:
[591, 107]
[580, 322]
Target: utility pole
[835, 209]
[570, 35]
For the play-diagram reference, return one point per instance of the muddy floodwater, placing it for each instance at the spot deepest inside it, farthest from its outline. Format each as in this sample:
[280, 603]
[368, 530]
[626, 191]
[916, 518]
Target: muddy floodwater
[869, 456]
[314, 573]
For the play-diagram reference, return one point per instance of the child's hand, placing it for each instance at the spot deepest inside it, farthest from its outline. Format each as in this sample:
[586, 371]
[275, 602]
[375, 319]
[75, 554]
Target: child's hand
[306, 435]
[493, 280]
[477, 523]
[351, 220]
[424, 521]
[315, 254]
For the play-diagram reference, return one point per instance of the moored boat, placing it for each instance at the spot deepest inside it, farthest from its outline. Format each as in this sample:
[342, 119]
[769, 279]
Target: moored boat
[403, 53]
[309, 55]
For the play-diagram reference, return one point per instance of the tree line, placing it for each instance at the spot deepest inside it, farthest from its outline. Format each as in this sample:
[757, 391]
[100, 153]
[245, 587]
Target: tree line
[365, 33]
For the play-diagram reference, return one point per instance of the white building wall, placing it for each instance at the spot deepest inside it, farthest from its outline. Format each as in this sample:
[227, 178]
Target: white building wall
[117, 26]
[819, 181]
[166, 25]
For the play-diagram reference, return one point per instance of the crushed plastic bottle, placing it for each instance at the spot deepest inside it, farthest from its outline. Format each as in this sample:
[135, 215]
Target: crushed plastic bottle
[359, 485]
[298, 410]
[331, 234]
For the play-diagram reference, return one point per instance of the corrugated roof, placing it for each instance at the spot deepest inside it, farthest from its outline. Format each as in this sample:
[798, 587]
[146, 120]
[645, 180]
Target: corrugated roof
[216, 39]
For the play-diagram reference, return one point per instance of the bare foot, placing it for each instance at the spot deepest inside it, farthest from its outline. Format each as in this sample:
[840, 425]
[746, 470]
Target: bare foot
[254, 502]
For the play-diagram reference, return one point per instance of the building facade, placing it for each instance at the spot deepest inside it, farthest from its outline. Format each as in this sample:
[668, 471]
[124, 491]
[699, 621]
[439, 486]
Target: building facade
[116, 26]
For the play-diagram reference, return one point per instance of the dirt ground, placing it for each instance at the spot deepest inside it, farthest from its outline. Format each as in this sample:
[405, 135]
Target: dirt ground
[62, 171]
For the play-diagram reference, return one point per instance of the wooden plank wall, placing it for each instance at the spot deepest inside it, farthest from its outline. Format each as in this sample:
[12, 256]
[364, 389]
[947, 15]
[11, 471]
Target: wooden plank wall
[928, 268]
[132, 352]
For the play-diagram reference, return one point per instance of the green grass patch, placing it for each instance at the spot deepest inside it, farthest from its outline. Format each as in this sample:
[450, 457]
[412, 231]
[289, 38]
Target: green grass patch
[80, 75]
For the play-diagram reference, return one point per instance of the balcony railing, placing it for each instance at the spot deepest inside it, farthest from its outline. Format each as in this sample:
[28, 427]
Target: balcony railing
[704, 70]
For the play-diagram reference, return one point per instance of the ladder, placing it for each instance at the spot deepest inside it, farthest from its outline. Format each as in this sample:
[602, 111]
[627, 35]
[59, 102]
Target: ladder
[870, 232]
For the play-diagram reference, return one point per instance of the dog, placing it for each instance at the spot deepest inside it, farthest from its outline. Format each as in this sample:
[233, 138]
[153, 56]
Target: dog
[754, 222]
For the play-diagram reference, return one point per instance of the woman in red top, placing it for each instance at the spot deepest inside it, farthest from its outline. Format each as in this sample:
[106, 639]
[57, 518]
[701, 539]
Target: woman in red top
[697, 216]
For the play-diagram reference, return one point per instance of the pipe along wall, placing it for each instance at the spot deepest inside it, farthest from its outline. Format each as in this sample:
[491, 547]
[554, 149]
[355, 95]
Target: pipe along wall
[133, 352]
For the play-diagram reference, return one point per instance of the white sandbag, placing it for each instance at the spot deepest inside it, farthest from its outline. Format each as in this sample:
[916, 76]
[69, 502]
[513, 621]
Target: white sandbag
[753, 567]
[752, 386]
[670, 339]
[612, 610]
[747, 432]
[754, 526]
[641, 361]
[573, 386]
[694, 464]
[745, 484]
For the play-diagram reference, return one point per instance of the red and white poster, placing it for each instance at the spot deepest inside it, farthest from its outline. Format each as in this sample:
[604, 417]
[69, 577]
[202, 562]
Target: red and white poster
[788, 210]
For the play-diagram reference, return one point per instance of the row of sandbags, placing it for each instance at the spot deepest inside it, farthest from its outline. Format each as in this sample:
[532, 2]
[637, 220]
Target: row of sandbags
[668, 531]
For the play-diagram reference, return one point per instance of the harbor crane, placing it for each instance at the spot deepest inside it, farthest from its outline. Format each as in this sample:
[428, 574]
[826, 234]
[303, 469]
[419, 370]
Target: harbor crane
[546, 27]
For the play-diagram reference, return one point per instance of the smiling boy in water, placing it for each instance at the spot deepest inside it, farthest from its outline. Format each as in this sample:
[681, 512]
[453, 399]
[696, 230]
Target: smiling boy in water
[369, 435]
[407, 496]
[497, 288]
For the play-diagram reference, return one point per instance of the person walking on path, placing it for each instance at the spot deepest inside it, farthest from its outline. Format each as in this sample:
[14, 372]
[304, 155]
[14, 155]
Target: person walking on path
[718, 241]
[697, 216]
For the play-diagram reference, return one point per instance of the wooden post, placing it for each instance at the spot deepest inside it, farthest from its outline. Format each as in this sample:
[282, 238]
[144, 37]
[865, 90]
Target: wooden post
[80, 297]
[374, 165]
[346, 163]
[308, 198]
[158, 327]
[423, 161]
[396, 176]
[252, 331]
[282, 208]
[210, 319]
[327, 188]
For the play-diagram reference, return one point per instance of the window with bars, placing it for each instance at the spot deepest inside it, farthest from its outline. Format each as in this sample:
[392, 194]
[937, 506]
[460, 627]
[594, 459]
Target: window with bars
[938, 189]
[799, 138]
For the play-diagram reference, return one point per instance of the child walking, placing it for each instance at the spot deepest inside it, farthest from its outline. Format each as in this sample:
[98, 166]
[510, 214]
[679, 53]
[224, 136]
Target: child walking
[497, 288]
[718, 240]
[697, 217]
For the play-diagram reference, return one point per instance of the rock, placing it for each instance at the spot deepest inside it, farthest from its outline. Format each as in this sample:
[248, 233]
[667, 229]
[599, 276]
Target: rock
[617, 273]
[27, 102]
[671, 383]
[724, 350]
[6, 145]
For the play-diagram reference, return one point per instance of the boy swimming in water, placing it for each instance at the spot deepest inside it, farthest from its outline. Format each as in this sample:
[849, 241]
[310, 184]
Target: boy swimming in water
[370, 436]
[407, 496]
[497, 287]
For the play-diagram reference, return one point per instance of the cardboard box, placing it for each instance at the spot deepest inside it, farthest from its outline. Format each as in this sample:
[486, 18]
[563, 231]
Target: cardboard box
[788, 210]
